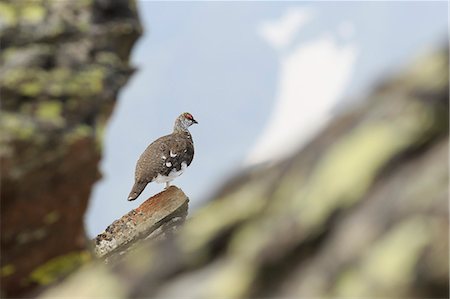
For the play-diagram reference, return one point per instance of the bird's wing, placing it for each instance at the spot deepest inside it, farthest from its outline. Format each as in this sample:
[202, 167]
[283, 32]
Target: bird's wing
[151, 162]
[163, 155]
[181, 150]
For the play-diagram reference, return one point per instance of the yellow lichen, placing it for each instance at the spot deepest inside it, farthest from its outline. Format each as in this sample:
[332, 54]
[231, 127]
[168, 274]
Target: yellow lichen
[221, 214]
[51, 217]
[8, 14]
[350, 166]
[31, 89]
[7, 270]
[100, 134]
[59, 267]
[27, 81]
[16, 127]
[108, 58]
[107, 285]
[50, 111]
[87, 82]
[32, 13]
[14, 76]
[390, 263]
[429, 72]
[33, 81]
[231, 280]
[8, 53]
[84, 3]
[80, 132]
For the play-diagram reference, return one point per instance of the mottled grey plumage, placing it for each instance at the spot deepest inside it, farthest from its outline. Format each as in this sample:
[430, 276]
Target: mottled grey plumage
[165, 158]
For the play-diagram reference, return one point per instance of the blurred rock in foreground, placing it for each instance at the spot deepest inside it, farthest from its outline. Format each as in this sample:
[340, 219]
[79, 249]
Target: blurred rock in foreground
[62, 65]
[362, 211]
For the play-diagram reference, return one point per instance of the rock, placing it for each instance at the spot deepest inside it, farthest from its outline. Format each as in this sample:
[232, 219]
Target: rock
[361, 211]
[156, 217]
[62, 65]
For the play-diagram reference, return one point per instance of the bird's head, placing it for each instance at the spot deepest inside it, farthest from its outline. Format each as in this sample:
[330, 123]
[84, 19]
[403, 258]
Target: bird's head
[184, 121]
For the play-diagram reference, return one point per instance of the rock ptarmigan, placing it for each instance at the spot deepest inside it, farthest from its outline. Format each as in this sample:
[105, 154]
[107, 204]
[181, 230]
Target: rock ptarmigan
[166, 158]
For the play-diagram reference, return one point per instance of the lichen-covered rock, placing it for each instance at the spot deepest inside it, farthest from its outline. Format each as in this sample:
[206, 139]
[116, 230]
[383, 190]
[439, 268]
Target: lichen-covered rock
[62, 65]
[158, 216]
[361, 211]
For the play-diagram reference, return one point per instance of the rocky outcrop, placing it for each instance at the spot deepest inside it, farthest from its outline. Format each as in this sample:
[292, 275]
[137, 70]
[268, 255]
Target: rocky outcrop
[158, 217]
[361, 211]
[62, 65]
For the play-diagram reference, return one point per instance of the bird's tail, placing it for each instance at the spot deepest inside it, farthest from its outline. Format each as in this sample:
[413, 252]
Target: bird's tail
[137, 190]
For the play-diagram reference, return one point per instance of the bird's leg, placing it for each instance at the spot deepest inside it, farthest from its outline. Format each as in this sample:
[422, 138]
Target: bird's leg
[167, 185]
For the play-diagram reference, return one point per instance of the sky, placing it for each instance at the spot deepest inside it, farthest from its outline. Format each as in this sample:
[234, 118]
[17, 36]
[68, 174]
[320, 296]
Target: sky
[261, 78]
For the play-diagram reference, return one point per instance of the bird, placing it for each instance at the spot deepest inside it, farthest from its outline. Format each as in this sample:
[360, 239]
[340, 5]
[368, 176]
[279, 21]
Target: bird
[165, 158]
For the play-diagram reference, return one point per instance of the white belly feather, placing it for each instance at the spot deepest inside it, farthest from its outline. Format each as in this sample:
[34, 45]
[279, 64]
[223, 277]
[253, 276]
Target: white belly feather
[172, 175]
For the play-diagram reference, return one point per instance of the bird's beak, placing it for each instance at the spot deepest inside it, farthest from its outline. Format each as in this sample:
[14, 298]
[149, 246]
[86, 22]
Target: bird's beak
[195, 122]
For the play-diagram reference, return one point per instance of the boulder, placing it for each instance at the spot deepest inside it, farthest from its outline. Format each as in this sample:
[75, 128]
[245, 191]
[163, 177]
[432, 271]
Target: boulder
[62, 66]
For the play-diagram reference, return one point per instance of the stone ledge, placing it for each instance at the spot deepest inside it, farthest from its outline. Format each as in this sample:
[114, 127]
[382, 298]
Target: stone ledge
[156, 216]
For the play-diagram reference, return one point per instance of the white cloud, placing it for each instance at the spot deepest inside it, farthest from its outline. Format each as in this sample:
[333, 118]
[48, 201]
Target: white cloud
[280, 33]
[313, 77]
